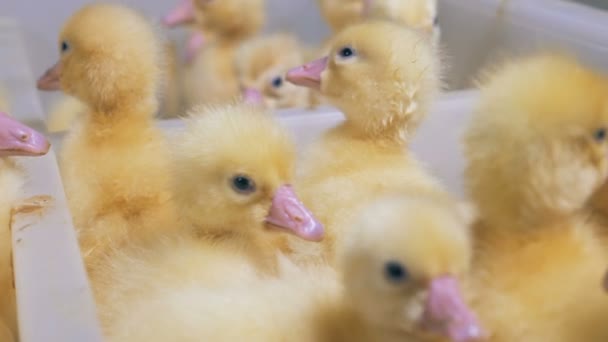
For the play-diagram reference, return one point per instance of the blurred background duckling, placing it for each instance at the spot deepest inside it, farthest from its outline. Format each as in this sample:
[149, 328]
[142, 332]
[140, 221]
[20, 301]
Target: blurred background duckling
[233, 166]
[211, 77]
[16, 139]
[536, 150]
[384, 87]
[417, 14]
[402, 266]
[261, 65]
[114, 162]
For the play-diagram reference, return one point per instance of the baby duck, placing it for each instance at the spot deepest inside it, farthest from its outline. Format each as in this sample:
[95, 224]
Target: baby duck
[16, 139]
[115, 162]
[384, 98]
[261, 64]
[233, 166]
[211, 77]
[536, 150]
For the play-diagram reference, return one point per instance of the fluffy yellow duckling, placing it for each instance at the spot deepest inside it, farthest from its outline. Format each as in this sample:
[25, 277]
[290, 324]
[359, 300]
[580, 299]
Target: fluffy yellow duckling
[402, 265]
[16, 139]
[537, 151]
[115, 162]
[384, 88]
[261, 64]
[233, 168]
[211, 77]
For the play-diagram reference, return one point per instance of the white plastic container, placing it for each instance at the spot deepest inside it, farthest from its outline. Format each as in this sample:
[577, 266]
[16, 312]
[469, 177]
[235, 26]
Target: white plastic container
[54, 300]
[478, 32]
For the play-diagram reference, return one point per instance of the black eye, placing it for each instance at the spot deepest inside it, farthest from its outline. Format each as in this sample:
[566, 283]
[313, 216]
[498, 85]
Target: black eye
[395, 272]
[242, 184]
[346, 52]
[600, 135]
[277, 82]
[64, 46]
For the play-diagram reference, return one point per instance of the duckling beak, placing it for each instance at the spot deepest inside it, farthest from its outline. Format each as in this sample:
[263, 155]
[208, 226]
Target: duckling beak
[17, 139]
[309, 74]
[182, 14]
[252, 96]
[447, 314]
[195, 44]
[51, 80]
[287, 212]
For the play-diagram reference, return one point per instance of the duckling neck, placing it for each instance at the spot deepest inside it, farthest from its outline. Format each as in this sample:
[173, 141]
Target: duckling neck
[259, 250]
[389, 135]
[111, 121]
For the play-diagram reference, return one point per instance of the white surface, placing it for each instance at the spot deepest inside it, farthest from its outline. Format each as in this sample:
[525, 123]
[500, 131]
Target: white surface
[476, 33]
[53, 296]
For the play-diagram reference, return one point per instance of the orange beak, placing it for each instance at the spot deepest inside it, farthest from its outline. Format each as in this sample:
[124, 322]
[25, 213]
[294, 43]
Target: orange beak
[50, 80]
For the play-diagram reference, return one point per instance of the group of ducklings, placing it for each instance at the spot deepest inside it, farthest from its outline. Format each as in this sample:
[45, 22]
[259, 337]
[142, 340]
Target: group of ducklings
[226, 55]
[208, 233]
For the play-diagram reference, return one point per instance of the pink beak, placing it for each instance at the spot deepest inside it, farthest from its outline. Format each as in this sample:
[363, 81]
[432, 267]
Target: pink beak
[195, 44]
[51, 79]
[309, 74]
[447, 314]
[252, 96]
[17, 139]
[182, 14]
[287, 212]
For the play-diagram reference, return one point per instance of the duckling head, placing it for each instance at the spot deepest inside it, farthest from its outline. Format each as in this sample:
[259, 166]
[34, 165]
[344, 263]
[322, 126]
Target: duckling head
[537, 142]
[233, 169]
[383, 86]
[401, 266]
[261, 64]
[110, 57]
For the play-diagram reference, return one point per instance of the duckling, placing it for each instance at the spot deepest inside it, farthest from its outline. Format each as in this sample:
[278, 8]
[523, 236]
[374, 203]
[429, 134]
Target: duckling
[261, 64]
[402, 265]
[418, 14]
[384, 88]
[211, 77]
[16, 139]
[114, 162]
[186, 14]
[402, 262]
[233, 166]
[536, 150]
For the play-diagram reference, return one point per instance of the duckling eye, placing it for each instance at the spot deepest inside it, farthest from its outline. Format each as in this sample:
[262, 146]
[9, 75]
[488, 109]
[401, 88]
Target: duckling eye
[395, 272]
[600, 135]
[346, 52]
[242, 184]
[65, 46]
[277, 82]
